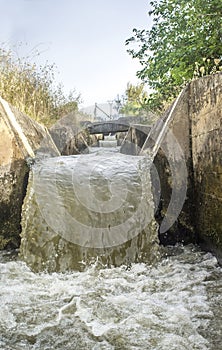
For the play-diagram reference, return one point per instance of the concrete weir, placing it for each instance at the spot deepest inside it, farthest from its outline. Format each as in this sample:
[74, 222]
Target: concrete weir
[186, 173]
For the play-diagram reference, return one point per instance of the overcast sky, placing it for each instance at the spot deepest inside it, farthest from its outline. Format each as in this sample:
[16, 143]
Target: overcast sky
[84, 38]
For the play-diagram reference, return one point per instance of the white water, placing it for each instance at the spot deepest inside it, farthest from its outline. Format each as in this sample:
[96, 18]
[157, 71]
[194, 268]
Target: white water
[109, 141]
[174, 305]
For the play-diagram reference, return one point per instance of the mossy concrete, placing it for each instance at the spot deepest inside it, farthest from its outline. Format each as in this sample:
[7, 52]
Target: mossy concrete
[205, 108]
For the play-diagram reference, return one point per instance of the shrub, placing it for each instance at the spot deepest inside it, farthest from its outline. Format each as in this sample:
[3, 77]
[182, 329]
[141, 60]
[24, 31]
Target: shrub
[32, 89]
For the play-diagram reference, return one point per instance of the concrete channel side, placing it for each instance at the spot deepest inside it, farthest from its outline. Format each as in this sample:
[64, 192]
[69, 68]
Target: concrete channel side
[205, 110]
[21, 139]
[195, 128]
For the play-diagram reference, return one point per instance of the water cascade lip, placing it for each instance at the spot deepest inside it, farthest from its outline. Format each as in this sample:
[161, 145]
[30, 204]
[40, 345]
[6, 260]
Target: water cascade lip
[109, 141]
[102, 185]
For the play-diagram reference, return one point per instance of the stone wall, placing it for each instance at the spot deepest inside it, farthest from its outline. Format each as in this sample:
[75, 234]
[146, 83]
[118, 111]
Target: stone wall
[20, 139]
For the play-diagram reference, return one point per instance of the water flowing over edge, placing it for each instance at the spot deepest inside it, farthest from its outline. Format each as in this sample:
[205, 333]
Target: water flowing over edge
[82, 208]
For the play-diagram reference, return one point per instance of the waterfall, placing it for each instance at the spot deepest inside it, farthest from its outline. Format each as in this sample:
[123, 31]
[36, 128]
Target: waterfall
[83, 208]
[109, 141]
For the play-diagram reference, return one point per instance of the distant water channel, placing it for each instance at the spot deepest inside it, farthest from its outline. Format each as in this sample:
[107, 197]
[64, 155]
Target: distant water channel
[173, 304]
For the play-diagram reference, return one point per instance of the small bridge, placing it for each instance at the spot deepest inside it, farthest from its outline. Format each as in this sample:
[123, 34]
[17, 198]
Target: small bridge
[108, 127]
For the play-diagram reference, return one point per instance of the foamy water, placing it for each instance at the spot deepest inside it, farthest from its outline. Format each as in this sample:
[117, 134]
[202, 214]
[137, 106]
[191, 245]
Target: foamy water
[175, 304]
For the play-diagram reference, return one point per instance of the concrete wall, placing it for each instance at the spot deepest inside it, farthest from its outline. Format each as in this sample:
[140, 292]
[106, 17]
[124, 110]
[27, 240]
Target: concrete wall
[172, 176]
[194, 135]
[20, 138]
[134, 139]
[205, 108]
[68, 136]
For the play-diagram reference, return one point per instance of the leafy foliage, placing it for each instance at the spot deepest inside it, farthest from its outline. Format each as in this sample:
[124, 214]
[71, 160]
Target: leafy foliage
[32, 90]
[185, 41]
[135, 101]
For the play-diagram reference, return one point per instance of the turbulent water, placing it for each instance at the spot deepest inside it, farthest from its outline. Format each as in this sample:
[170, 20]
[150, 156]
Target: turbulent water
[175, 304]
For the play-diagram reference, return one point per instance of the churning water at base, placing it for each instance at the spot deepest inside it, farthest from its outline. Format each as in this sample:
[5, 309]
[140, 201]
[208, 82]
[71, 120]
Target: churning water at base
[173, 305]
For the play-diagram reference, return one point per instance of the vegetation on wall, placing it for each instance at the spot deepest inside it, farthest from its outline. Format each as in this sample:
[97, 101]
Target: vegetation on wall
[184, 42]
[32, 89]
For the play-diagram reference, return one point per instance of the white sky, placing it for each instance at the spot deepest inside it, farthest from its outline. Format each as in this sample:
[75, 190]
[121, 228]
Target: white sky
[84, 38]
